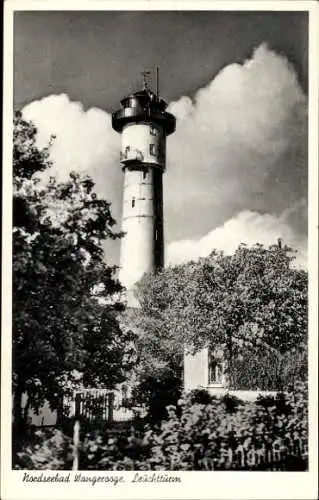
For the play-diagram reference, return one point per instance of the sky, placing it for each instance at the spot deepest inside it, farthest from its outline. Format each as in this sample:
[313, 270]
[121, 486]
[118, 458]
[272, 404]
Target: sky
[237, 83]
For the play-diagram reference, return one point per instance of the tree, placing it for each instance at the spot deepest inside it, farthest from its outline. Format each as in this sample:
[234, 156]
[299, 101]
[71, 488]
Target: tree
[158, 367]
[65, 307]
[251, 305]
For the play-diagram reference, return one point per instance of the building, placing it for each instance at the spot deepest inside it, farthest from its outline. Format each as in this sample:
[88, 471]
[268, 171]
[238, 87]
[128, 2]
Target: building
[144, 125]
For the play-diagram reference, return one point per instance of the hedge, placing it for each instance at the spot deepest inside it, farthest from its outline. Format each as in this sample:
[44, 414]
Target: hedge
[200, 433]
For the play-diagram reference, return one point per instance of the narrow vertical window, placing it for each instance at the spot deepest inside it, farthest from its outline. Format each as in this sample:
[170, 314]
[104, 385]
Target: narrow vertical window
[144, 174]
[216, 368]
[216, 372]
[133, 202]
[127, 151]
[152, 150]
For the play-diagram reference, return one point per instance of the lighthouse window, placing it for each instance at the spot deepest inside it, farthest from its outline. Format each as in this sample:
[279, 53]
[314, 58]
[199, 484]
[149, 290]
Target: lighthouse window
[153, 130]
[144, 174]
[153, 149]
[133, 202]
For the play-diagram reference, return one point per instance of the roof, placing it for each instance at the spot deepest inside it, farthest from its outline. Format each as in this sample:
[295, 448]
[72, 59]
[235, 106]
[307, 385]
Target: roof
[145, 95]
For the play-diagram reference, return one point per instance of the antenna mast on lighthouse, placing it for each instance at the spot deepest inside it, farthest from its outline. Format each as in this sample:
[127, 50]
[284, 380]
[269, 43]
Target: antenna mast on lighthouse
[157, 81]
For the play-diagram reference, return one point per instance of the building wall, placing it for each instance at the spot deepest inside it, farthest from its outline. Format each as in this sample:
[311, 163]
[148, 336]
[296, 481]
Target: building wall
[142, 247]
[144, 142]
[45, 417]
[196, 377]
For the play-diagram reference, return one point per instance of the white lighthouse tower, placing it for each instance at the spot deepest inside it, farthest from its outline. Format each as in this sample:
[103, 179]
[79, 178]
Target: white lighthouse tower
[144, 124]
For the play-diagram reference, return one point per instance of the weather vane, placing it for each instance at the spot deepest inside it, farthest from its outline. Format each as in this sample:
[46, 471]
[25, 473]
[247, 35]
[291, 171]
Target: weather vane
[145, 75]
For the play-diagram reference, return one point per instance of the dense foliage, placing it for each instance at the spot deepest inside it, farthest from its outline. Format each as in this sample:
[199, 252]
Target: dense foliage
[260, 369]
[251, 306]
[159, 365]
[200, 433]
[45, 449]
[65, 327]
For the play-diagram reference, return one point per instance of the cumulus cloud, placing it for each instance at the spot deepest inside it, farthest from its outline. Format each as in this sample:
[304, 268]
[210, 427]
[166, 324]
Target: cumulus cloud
[239, 144]
[84, 142]
[236, 166]
[246, 227]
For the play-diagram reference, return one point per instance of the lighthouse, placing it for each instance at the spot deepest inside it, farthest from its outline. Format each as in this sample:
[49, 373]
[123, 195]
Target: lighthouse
[144, 125]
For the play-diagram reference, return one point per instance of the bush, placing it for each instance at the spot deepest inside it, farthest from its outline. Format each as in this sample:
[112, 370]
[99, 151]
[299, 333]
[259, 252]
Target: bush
[200, 432]
[214, 432]
[203, 432]
[156, 394]
[268, 371]
[48, 449]
[200, 396]
[109, 450]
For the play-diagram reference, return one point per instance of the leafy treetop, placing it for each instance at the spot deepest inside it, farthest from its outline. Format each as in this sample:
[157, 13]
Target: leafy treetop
[65, 307]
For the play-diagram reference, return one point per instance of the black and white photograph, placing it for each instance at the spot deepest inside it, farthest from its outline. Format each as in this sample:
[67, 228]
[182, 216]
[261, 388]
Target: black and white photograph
[162, 184]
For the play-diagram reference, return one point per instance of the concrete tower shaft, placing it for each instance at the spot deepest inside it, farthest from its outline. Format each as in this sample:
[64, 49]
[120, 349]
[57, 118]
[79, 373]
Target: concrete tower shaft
[142, 247]
[144, 125]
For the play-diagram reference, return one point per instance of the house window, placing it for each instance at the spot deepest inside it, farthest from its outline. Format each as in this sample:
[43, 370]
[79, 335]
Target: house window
[153, 149]
[216, 367]
[216, 372]
[133, 202]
